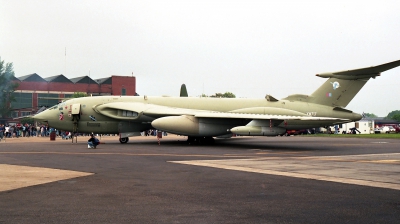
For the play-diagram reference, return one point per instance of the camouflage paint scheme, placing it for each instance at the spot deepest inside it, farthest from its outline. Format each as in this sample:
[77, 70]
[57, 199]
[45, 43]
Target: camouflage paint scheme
[214, 117]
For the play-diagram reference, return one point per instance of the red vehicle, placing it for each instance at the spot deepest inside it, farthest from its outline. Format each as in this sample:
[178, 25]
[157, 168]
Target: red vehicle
[297, 132]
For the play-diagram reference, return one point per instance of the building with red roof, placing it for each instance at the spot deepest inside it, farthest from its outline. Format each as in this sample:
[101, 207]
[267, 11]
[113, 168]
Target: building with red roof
[35, 92]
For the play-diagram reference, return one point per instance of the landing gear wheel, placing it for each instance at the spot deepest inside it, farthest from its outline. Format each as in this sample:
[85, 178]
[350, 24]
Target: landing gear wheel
[200, 140]
[191, 140]
[124, 140]
[209, 140]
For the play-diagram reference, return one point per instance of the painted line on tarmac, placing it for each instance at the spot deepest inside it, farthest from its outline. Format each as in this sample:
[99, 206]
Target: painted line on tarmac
[358, 155]
[13, 176]
[133, 154]
[277, 152]
[241, 167]
[393, 158]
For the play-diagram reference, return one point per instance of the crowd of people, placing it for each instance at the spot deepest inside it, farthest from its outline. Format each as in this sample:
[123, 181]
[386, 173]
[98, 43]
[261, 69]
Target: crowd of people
[27, 130]
[152, 132]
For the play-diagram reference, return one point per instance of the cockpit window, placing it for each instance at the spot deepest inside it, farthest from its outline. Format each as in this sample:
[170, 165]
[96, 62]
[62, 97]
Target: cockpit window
[61, 105]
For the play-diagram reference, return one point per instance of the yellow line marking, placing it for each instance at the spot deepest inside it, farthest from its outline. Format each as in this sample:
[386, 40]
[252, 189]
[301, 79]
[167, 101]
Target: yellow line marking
[291, 174]
[388, 161]
[131, 154]
[14, 177]
[359, 155]
[281, 168]
[301, 152]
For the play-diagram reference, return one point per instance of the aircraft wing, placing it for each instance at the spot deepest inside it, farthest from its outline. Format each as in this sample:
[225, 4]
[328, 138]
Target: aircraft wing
[113, 110]
[361, 72]
[213, 114]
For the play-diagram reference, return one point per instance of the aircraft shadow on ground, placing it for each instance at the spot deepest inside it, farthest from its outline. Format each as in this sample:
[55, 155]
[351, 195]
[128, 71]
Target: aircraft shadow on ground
[239, 143]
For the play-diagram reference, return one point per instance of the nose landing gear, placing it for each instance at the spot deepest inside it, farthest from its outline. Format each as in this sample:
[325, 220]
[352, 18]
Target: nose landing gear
[124, 140]
[200, 140]
[75, 120]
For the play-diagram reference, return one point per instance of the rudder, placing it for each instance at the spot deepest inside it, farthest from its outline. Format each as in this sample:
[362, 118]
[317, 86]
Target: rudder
[343, 86]
[337, 92]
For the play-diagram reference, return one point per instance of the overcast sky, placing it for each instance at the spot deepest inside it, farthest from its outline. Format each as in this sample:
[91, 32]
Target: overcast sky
[250, 48]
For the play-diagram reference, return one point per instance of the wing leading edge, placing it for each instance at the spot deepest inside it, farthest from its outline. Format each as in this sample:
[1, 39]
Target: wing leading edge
[192, 122]
[116, 110]
[368, 72]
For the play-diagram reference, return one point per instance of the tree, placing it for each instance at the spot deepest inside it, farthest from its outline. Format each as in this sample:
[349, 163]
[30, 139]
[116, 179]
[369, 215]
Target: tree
[78, 95]
[224, 95]
[217, 95]
[396, 117]
[393, 114]
[27, 120]
[7, 87]
[228, 95]
[371, 115]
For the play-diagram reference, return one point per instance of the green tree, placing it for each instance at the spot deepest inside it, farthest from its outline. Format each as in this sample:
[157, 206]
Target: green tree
[396, 117]
[7, 87]
[371, 115]
[217, 95]
[228, 95]
[27, 120]
[78, 95]
[224, 95]
[392, 114]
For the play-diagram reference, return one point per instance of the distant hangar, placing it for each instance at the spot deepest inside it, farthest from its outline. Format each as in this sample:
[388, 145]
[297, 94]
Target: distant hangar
[35, 92]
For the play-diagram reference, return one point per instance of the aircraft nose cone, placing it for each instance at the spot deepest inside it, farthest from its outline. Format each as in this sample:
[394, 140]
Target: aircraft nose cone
[40, 117]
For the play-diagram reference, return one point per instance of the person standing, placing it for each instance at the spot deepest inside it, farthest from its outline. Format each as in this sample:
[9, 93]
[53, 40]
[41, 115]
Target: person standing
[33, 130]
[7, 131]
[11, 130]
[23, 130]
[1, 131]
[28, 130]
[42, 130]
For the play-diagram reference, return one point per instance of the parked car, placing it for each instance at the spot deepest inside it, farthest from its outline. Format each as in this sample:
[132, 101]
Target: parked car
[392, 129]
[297, 132]
[388, 129]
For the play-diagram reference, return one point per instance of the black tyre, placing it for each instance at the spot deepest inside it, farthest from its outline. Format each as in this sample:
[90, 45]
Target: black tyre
[124, 140]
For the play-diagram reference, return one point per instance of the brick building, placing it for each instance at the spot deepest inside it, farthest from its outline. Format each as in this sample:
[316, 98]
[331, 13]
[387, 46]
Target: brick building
[35, 92]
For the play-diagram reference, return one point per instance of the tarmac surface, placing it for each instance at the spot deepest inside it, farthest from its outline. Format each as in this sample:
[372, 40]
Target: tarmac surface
[238, 180]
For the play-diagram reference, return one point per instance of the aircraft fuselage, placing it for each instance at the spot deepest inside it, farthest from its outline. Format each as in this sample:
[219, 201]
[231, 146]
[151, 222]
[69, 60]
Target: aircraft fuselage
[114, 121]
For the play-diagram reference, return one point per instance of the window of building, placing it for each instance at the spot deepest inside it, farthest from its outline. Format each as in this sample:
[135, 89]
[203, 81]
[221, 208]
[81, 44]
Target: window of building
[22, 100]
[48, 99]
[123, 92]
[68, 96]
[25, 113]
[14, 114]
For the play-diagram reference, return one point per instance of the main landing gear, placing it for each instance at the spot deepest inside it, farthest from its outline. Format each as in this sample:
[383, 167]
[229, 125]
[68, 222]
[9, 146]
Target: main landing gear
[200, 140]
[124, 140]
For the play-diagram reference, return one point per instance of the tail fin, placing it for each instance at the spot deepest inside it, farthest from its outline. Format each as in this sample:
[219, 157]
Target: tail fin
[337, 92]
[183, 92]
[343, 86]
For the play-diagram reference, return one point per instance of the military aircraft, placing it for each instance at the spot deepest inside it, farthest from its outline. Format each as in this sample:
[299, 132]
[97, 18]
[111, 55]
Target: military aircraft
[204, 117]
